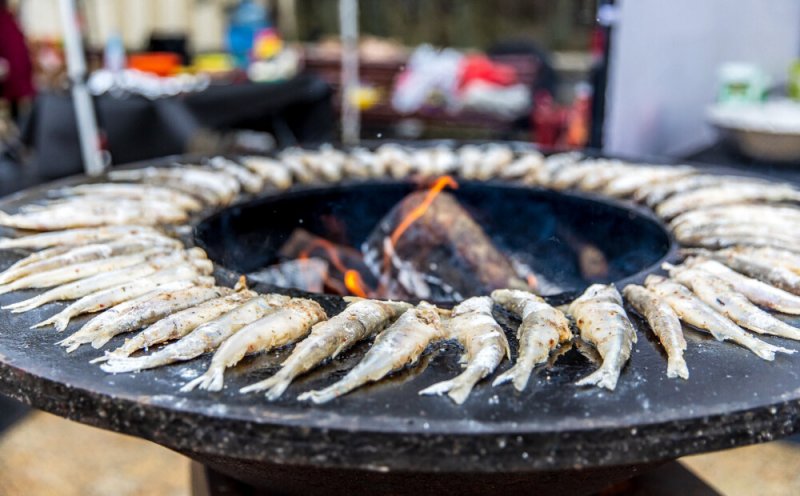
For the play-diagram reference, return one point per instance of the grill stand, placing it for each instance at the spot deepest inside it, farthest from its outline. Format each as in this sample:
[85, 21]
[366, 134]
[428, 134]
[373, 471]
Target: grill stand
[637, 480]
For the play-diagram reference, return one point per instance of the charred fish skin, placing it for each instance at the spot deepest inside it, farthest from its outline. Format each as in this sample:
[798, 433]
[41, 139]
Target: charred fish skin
[360, 320]
[664, 323]
[602, 321]
[206, 337]
[179, 324]
[694, 312]
[760, 293]
[399, 345]
[284, 326]
[472, 324]
[721, 296]
[542, 329]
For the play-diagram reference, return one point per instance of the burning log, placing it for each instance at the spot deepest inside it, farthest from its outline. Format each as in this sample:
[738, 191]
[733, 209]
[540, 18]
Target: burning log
[347, 273]
[306, 274]
[428, 246]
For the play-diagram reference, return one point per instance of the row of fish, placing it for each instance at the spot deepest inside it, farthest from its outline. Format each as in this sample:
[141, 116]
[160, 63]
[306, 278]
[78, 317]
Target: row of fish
[171, 296]
[169, 195]
[703, 210]
[137, 279]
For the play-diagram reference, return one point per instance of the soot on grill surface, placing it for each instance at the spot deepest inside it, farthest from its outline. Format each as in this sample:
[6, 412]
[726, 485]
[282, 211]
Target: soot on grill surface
[557, 242]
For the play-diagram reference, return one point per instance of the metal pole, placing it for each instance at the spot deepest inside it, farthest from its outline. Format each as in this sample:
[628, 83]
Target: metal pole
[84, 107]
[348, 27]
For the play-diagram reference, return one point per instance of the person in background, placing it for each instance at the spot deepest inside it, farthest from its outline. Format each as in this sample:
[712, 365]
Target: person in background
[16, 69]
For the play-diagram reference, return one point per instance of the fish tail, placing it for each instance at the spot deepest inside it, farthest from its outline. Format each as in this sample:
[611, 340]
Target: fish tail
[506, 376]
[73, 346]
[439, 388]
[603, 377]
[120, 365]
[275, 385]
[518, 375]
[45, 323]
[7, 219]
[100, 341]
[212, 380]
[60, 321]
[676, 367]
[460, 387]
[102, 358]
[25, 305]
[344, 386]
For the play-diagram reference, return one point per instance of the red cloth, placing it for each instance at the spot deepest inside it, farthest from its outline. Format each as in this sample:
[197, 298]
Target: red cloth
[18, 83]
[478, 67]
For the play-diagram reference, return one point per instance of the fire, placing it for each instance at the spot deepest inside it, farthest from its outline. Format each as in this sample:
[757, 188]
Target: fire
[533, 283]
[423, 207]
[354, 283]
[352, 279]
[329, 248]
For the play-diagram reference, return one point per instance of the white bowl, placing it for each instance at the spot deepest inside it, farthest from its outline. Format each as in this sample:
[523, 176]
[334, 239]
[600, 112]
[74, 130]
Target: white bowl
[768, 132]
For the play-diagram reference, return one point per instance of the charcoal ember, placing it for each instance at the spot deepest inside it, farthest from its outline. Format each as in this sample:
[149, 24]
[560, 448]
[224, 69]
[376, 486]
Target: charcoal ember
[306, 274]
[443, 255]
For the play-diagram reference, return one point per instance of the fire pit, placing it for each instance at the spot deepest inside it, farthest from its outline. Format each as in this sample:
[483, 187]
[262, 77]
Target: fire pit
[546, 231]
[551, 438]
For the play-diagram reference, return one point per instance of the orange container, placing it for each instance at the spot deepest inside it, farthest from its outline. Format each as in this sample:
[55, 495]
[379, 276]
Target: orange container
[159, 63]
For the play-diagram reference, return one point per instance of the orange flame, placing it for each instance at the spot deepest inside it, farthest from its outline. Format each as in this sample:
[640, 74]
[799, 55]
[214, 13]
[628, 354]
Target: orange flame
[423, 207]
[533, 283]
[354, 283]
[329, 248]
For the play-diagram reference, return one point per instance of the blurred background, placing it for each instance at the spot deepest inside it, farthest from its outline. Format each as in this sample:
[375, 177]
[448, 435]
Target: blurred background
[709, 82]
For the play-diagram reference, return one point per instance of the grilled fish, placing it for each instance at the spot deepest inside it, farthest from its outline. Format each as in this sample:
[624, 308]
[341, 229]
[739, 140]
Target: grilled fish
[665, 325]
[104, 280]
[694, 312]
[87, 253]
[720, 296]
[484, 342]
[400, 344]
[73, 237]
[134, 191]
[107, 298]
[756, 291]
[206, 337]
[542, 329]
[290, 323]
[725, 195]
[360, 320]
[599, 315]
[144, 310]
[179, 324]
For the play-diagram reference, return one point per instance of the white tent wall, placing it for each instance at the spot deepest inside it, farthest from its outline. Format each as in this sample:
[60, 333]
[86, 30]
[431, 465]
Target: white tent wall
[664, 61]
